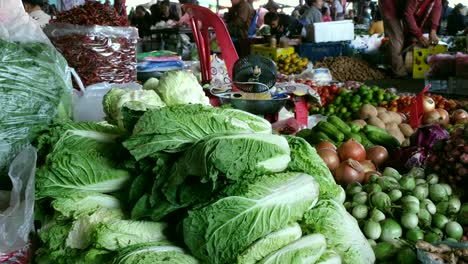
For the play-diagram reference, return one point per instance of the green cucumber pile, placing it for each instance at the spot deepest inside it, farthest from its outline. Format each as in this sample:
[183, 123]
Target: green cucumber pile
[395, 211]
[336, 131]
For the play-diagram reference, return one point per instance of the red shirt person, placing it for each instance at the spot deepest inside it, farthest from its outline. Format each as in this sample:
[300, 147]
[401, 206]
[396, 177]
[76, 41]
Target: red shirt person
[407, 20]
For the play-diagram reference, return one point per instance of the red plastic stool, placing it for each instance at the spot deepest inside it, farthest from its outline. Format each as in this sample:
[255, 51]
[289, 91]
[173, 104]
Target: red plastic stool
[202, 39]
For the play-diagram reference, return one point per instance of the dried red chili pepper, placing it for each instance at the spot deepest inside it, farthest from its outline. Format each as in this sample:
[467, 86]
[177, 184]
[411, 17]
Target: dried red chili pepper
[92, 13]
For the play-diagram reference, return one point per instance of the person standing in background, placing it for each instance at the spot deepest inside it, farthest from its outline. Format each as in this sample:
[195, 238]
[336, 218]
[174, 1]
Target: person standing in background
[377, 26]
[337, 11]
[456, 21]
[446, 11]
[313, 14]
[238, 20]
[141, 19]
[34, 9]
[326, 16]
[408, 23]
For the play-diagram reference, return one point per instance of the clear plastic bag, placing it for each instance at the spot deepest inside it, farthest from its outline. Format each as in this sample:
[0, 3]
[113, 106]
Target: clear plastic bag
[87, 104]
[442, 66]
[35, 83]
[97, 53]
[17, 209]
[17, 25]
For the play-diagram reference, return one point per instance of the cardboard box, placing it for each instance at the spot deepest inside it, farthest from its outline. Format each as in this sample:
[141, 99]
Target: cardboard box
[420, 56]
[330, 31]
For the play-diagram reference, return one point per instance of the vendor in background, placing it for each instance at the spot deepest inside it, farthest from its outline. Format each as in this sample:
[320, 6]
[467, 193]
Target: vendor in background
[415, 17]
[456, 21]
[326, 16]
[337, 10]
[313, 14]
[377, 25]
[238, 20]
[34, 9]
[279, 24]
[141, 19]
[351, 16]
[167, 13]
[272, 6]
[446, 11]
[301, 8]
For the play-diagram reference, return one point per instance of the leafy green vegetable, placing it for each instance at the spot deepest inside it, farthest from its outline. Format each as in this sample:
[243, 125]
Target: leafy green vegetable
[117, 101]
[151, 84]
[304, 158]
[329, 257]
[79, 136]
[181, 87]
[83, 157]
[121, 233]
[77, 204]
[245, 212]
[231, 157]
[331, 219]
[175, 128]
[270, 243]
[307, 249]
[154, 253]
[81, 233]
[78, 171]
[35, 89]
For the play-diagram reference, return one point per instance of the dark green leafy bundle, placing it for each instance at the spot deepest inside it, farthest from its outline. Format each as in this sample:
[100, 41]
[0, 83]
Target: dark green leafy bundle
[35, 88]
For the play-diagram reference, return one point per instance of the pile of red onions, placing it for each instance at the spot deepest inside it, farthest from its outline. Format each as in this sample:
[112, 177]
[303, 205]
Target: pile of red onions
[449, 159]
[350, 162]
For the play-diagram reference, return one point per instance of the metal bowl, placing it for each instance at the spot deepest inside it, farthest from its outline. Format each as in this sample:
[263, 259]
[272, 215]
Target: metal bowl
[257, 107]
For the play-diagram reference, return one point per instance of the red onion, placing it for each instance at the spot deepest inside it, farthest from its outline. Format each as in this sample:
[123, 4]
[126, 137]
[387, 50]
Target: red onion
[349, 171]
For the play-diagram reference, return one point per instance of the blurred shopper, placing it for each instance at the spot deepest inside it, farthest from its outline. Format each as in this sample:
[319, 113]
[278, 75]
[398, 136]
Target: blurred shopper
[326, 15]
[456, 21]
[337, 10]
[238, 20]
[272, 6]
[313, 14]
[377, 26]
[407, 25]
[301, 8]
[141, 19]
[446, 11]
[34, 9]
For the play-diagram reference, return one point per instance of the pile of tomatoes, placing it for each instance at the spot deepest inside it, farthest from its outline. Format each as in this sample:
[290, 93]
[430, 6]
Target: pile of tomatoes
[327, 93]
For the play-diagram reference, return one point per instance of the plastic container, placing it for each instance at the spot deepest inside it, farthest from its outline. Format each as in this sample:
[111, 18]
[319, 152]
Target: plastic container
[272, 53]
[317, 51]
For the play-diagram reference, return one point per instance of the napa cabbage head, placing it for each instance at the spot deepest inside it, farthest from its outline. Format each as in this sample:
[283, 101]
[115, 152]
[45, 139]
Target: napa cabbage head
[342, 231]
[307, 249]
[173, 129]
[245, 212]
[232, 157]
[116, 234]
[117, 103]
[181, 87]
[154, 253]
[270, 243]
[81, 203]
[304, 158]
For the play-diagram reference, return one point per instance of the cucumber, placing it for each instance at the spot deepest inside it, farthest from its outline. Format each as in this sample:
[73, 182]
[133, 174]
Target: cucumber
[356, 137]
[354, 127]
[330, 130]
[364, 140]
[318, 137]
[339, 124]
[370, 128]
[383, 139]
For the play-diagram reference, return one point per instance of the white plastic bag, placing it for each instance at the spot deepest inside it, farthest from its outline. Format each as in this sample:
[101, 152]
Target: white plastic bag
[17, 208]
[219, 72]
[87, 103]
[17, 25]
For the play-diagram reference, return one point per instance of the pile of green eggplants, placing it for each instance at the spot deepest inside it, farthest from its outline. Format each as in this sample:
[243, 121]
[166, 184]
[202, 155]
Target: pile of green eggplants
[395, 211]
